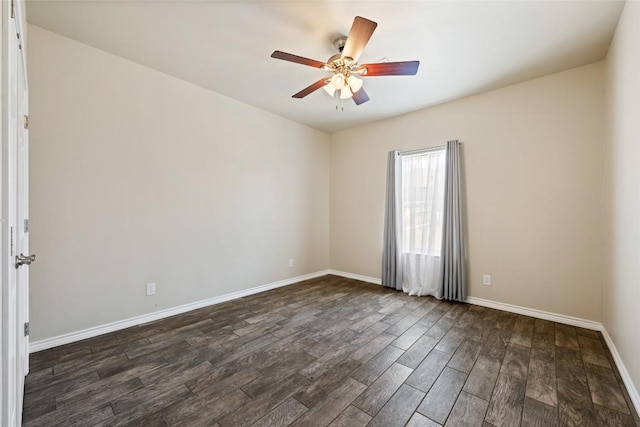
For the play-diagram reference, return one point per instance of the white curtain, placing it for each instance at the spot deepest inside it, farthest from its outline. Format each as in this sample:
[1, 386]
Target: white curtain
[420, 242]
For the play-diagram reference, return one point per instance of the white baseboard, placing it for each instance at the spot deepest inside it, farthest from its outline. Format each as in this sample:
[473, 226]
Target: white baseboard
[161, 314]
[626, 378]
[560, 318]
[538, 314]
[356, 277]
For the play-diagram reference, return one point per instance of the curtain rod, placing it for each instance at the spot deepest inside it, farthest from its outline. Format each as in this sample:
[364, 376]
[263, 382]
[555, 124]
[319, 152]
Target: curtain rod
[423, 150]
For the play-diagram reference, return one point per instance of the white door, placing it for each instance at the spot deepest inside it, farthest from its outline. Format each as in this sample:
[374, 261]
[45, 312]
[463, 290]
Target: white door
[15, 246]
[9, 294]
[22, 226]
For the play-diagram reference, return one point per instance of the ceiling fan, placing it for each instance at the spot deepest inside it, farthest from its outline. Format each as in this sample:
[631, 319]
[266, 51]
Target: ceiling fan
[344, 65]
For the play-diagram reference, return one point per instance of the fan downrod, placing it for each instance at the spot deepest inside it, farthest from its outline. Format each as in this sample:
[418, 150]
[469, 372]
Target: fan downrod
[339, 43]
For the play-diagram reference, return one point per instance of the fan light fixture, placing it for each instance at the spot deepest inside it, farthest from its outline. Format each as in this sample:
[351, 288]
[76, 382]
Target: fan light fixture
[347, 73]
[347, 86]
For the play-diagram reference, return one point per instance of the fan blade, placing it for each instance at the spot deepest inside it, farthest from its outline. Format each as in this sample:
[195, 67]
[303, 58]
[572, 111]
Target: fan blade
[407, 68]
[360, 97]
[359, 36]
[297, 59]
[309, 89]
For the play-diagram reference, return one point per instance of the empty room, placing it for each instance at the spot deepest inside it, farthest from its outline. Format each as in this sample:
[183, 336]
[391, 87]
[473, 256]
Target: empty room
[320, 213]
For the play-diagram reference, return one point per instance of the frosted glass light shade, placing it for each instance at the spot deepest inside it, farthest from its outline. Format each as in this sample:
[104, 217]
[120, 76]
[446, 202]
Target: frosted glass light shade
[331, 90]
[346, 93]
[354, 83]
[337, 81]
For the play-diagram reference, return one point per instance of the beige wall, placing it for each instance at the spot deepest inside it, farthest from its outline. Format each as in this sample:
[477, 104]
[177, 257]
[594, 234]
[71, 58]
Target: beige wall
[532, 158]
[621, 296]
[139, 177]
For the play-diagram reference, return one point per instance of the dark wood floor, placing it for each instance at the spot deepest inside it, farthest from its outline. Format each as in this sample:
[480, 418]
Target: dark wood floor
[332, 351]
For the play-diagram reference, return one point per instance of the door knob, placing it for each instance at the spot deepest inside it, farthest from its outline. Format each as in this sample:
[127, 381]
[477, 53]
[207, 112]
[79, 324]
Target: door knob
[24, 259]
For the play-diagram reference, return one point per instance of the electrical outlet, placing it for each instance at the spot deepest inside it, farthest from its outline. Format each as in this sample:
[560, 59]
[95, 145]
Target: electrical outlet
[151, 289]
[291, 262]
[486, 280]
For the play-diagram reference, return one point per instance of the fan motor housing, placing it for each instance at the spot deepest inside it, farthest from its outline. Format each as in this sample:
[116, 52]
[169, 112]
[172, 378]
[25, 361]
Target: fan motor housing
[339, 43]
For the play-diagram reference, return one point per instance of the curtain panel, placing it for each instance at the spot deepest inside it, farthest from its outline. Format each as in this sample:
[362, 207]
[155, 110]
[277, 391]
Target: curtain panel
[454, 276]
[391, 255]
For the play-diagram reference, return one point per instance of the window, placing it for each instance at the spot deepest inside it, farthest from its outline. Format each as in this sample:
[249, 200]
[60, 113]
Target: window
[423, 202]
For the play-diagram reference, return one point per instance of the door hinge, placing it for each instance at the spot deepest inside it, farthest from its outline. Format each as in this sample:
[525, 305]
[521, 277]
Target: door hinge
[13, 12]
[26, 225]
[26, 122]
[26, 329]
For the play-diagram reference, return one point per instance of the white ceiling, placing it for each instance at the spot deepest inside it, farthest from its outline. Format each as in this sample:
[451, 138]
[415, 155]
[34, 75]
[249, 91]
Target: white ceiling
[464, 47]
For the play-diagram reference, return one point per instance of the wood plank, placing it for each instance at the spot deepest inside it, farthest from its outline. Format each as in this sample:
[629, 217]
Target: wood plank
[403, 325]
[541, 382]
[369, 334]
[171, 381]
[283, 414]
[566, 336]
[281, 366]
[417, 352]
[522, 331]
[399, 409]
[507, 400]
[451, 341]
[71, 415]
[377, 394]
[468, 411]
[428, 371]
[351, 417]
[593, 351]
[204, 409]
[322, 386]
[419, 420]
[366, 322]
[87, 396]
[373, 347]
[543, 343]
[482, 378]
[60, 385]
[569, 363]
[440, 400]
[605, 390]
[516, 361]
[432, 318]
[371, 370]
[34, 408]
[407, 339]
[609, 417]
[575, 407]
[253, 410]
[147, 407]
[88, 364]
[538, 414]
[327, 361]
[440, 328]
[325, 412]
[465, 356]
[495, 346]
